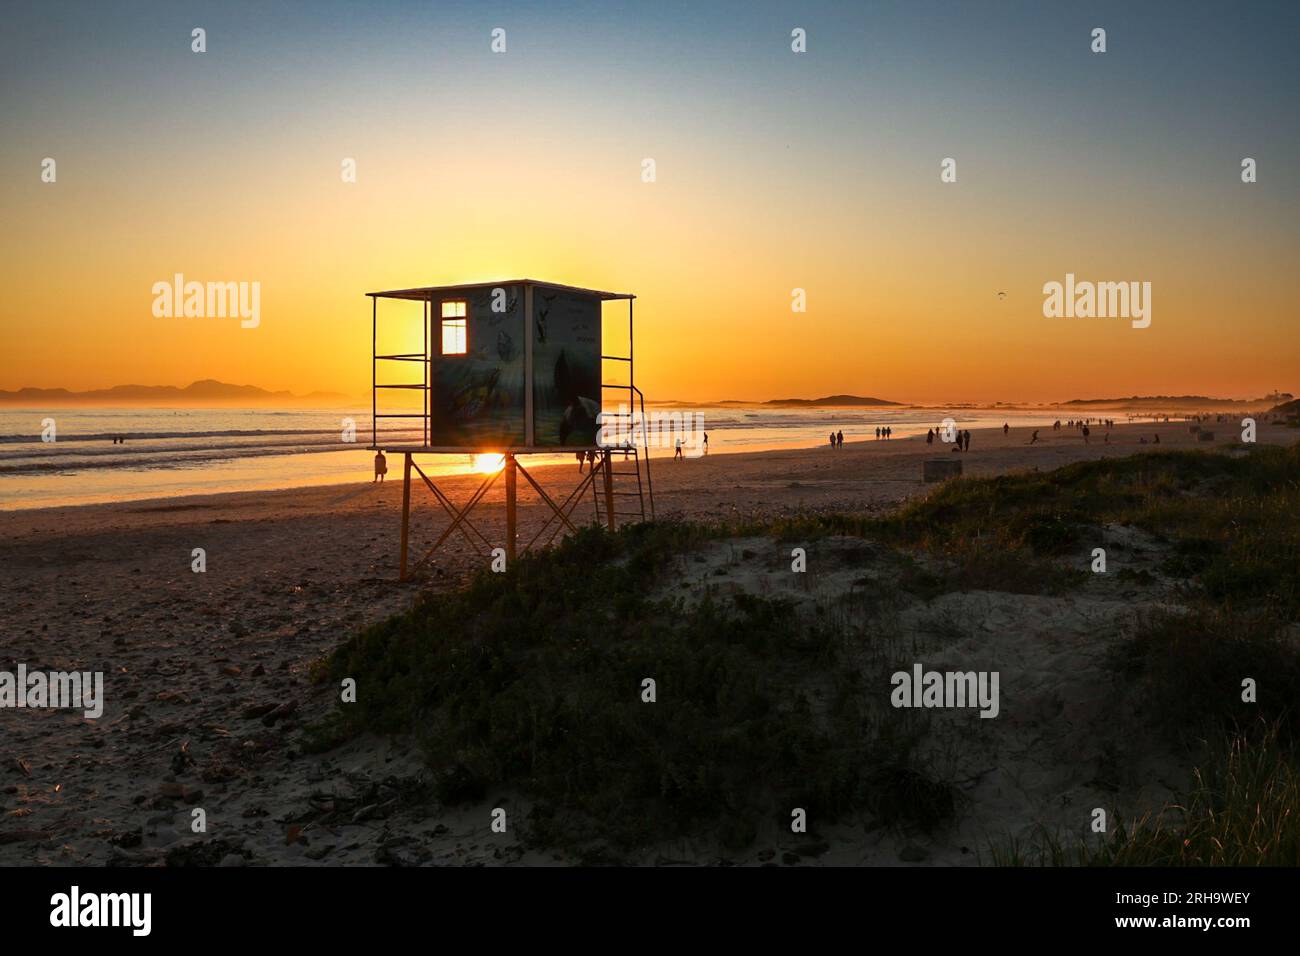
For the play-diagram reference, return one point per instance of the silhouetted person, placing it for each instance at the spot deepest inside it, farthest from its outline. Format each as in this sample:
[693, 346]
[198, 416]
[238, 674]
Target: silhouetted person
[1033, 438]
[1157, 438]
[582, 456]
[706, 443]
[839, 438]
[929, 437]
[832, 439]
[1005, 428]
[678, 453]
[381, 467]
[1086, 433]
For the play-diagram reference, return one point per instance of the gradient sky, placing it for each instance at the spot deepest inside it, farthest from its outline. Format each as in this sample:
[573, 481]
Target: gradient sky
[775, 171]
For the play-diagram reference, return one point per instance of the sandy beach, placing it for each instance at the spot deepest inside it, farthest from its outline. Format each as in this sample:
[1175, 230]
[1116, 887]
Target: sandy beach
[207, 675]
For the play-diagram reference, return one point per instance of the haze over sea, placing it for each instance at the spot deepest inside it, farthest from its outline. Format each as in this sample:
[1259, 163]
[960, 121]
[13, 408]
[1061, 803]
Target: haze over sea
[173, 452]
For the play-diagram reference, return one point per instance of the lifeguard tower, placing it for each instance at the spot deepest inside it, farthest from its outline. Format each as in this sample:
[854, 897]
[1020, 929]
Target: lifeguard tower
[513, 368]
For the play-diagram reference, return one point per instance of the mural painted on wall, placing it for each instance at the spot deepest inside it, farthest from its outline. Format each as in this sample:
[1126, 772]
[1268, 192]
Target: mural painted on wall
[566, 368]
[478, 397]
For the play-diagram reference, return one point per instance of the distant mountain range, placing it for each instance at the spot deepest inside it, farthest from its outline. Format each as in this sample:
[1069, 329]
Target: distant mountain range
[205, 392]
[1183, 401]
[839, 400]
[1287, 408]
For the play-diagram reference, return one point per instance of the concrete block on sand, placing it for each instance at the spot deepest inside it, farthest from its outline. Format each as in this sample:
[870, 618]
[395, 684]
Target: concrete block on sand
[940, 469]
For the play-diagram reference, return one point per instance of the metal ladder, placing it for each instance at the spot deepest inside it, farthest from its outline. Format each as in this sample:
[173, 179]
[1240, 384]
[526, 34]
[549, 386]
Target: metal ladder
[616, 459]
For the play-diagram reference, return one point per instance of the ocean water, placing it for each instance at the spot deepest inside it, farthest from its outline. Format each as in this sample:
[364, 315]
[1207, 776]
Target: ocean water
[175, 452]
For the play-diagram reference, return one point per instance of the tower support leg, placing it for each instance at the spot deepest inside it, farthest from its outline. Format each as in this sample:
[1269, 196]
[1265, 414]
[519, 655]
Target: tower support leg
[406, 510]
[511, 514]
[608, 465]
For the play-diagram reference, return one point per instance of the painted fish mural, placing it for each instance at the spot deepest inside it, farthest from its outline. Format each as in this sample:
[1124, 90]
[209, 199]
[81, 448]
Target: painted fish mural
[505, 346]
[480, 395]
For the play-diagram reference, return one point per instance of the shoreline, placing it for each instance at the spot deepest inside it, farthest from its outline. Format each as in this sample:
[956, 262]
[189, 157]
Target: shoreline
[81, 472]
[990, 448]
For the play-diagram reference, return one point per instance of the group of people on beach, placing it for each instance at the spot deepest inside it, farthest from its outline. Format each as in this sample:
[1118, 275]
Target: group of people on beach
[677, 449]
[884, 431]
[961, 443]
[1083, 423]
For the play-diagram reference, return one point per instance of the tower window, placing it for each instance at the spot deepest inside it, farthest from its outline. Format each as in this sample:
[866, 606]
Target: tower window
[453, 337]
[453, 328]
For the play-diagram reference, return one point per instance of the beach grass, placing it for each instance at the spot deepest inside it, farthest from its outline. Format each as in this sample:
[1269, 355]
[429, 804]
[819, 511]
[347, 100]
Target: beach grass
[1241, 810]
[1230, 519]
[531, 680]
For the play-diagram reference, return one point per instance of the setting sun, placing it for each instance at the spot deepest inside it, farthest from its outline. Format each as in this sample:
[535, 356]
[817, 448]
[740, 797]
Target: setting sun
[489, 463]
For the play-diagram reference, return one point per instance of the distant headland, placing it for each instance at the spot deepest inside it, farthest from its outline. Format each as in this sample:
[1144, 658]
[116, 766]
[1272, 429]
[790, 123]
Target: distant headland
[206, 392]
[828, 402]
[1182, 401]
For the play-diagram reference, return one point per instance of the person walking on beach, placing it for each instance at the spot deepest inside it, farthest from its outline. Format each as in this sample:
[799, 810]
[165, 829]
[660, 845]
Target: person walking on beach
[582, 456]
[968, 439]
[1005, 428]
[591, 462]
[877, 433]
[678, 453]
[1033, 438]
[839, 438]
[381, 467]
[832, 439]
[929, 437]
[1086, 433]
[706, 443]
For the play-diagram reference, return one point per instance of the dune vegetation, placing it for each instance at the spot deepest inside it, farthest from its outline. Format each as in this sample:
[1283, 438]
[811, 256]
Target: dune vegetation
[532, 680]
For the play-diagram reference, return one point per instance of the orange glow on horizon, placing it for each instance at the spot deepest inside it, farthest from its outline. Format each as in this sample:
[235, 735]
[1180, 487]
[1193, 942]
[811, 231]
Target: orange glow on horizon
[904, 281]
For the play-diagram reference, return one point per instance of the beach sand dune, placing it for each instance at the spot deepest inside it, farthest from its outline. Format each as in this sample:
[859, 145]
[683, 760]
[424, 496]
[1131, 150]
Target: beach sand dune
[207, 675]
